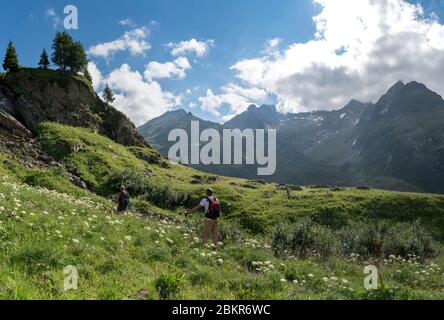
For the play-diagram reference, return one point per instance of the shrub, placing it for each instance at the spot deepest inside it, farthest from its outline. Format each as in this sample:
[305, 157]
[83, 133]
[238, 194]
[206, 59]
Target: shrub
[136, 182]
[305, 237]
[139, 184]
[251, 221]
[168, 285]
[229, 232]
[376, 239]
[409, 238]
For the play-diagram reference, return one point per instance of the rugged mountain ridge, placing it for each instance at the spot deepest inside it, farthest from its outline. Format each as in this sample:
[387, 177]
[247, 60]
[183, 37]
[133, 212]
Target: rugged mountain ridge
[396, 143]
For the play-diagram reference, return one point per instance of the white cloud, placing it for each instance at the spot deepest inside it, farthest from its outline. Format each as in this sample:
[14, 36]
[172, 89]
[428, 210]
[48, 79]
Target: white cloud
[176, 69]
[272, 47]
[236, 97]
[127, 23]
[96, 75]
[361, 47]
[193, 46]
[50, 13]
[134, 41]
[139, 99]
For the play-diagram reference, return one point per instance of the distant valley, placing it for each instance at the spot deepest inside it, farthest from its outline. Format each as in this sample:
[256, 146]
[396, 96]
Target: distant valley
[396, 143]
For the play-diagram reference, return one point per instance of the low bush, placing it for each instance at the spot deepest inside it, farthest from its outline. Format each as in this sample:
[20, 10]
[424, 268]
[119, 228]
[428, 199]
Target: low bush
[168, 285]
[139, 184]
[304, 238]
[371, 239]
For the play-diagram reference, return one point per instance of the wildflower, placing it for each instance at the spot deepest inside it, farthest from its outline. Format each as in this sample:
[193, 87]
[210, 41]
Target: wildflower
[128, 238]
[326, 279]
[283, 280]
[75, 241]
[220, 261]
[344, 281]
[333, 279]
[171, 242]
[295, 281]
[310, 275]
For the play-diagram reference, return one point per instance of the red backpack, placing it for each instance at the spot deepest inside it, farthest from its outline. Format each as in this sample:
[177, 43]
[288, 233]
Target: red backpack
[214, 210]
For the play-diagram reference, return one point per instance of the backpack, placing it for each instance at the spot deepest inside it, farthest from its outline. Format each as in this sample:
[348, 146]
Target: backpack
[214, 210]
[124, 199]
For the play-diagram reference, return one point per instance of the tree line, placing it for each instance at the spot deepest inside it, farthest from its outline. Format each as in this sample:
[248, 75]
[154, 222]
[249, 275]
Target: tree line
[68, 55]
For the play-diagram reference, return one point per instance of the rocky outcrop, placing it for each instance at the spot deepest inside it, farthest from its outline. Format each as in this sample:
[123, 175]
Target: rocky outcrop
[14, 128]
[17, 142]
[33, 96]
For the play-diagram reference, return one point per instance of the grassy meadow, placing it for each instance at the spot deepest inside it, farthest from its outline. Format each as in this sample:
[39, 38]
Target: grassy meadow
[311, 243]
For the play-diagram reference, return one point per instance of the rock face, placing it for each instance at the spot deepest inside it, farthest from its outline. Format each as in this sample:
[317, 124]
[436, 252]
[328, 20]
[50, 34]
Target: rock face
[33, 96]
[10, 125]
[18, 142]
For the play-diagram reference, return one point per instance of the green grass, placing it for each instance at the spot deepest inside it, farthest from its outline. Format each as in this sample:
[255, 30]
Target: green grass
[46, 224]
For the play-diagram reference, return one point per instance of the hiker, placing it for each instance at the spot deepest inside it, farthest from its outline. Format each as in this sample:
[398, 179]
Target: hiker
[211, 206]
[122, 200]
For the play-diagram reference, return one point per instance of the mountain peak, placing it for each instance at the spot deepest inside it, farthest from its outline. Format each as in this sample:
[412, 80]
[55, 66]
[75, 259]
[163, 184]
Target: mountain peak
[252, 107]
[411, 97]
[179, 112]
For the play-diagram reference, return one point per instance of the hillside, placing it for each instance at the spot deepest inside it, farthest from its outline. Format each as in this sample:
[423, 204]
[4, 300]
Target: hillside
[33, 96]
[278, 243]
[48, 223]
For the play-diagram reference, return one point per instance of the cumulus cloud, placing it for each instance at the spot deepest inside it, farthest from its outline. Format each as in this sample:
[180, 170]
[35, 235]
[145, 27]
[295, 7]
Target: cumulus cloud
[134, 41]
[236, 97]
[96, 75]
[176, 69]
[50, 13]
[193, 46]
[360, 48]
[141, 100]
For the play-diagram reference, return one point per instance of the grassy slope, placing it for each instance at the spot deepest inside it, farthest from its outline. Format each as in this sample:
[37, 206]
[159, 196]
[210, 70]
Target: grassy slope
[117, 256]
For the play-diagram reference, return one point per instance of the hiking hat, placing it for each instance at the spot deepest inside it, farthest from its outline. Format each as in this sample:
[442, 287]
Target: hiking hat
[210, 191]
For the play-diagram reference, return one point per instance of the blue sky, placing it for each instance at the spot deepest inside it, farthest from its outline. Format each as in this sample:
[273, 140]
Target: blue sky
[252, 51]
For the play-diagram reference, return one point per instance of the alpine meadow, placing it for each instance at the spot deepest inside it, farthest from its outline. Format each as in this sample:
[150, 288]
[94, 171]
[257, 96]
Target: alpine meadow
[118, 179]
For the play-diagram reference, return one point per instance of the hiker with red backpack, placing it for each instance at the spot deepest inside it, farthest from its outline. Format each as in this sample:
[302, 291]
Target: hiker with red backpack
[212, 209]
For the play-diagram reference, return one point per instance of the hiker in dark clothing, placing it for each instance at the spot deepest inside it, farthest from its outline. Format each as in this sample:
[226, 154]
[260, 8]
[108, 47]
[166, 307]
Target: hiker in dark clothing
[122, 200]
[212, 210]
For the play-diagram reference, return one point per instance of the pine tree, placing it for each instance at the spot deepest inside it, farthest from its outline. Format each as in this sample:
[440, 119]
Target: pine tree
[11, 62]
[108, 95]
[77, 59]
[44, 60]
[68, 54]
[61, 47]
